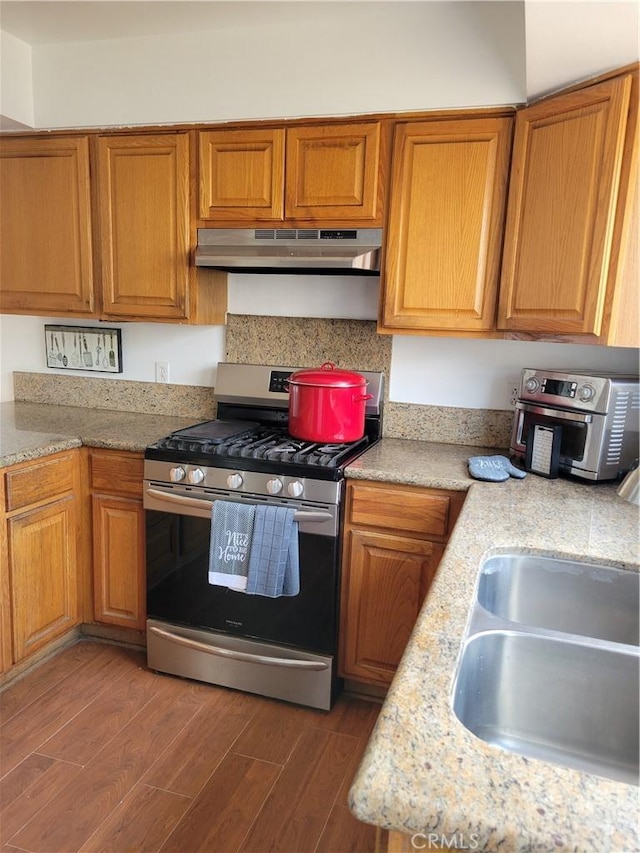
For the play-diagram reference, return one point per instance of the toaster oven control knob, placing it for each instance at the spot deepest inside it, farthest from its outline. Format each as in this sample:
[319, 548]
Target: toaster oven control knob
[532, 385]
[234, 481]
[295, 489]
[195, 476]
[176, 474]
[274, 486]
[586, 393]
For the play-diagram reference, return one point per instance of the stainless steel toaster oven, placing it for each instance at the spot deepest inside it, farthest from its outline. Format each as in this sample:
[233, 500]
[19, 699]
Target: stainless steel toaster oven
[585, 423]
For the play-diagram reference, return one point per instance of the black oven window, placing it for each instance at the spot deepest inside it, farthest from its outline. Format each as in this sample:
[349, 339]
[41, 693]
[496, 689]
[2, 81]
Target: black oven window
[178, 590]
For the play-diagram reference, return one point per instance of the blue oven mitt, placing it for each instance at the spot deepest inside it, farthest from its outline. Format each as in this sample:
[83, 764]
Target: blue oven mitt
[494, 468]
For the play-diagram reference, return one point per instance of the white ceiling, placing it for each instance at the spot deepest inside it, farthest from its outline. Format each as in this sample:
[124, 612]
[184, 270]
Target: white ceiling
[51, 21]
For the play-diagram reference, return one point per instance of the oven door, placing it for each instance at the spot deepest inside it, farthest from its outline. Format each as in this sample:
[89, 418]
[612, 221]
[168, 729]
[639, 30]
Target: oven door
[178, 526]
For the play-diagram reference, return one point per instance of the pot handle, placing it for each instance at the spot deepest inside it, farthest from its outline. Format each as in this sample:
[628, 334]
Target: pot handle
[358, 398]
[327, 365]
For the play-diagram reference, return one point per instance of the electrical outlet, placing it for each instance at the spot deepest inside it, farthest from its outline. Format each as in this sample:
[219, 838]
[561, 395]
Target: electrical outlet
[512, 388]
[162, 371]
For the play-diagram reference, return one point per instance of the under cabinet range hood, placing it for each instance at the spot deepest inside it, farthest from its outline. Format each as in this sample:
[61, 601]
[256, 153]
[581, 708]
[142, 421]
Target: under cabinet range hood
[291, 250]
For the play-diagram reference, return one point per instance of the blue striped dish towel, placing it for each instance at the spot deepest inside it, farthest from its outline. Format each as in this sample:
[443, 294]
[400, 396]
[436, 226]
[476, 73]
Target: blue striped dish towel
[274, 568]
[230, 546]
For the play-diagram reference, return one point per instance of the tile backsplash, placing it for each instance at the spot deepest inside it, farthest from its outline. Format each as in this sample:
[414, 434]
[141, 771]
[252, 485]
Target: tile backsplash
[291, 341]
[356, 345]
[302, 342]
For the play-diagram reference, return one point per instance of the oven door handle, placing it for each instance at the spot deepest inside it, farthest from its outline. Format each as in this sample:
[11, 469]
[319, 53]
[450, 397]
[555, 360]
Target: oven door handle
[554, 413]
[290, 663]
[203, 508]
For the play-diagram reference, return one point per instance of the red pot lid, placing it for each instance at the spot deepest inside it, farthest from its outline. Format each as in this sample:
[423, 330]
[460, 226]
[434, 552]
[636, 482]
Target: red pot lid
[328, 376]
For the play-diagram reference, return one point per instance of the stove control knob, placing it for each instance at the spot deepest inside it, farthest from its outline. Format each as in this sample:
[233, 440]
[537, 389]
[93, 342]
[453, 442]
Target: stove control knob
[532, 385]
[195, 476]
[295, 489]
[274, 486]
[176, 474]
[586, 393]
[234, 481]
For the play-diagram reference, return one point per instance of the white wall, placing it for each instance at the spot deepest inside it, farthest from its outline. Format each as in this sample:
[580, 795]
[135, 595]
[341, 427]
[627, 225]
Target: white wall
[477, 374]
[193, 352]
[16, 84]
[345, 58]
[432, 371]
[351, 297]
[569, 41]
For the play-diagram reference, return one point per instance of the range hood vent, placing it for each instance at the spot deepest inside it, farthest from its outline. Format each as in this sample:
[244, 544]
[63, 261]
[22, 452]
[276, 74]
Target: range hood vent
[354, 251]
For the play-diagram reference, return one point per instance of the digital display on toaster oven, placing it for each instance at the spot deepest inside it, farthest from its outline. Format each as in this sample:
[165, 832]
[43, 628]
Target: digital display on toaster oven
[559, 387]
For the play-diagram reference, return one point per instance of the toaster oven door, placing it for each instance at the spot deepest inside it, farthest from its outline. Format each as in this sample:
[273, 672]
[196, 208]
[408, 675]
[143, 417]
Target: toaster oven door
[581, 440]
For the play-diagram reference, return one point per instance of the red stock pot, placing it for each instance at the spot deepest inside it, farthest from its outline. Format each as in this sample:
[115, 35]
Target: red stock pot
[327, 404]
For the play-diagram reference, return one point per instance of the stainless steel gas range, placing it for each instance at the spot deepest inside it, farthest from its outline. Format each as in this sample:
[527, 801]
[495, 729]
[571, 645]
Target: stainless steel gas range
[282, 644]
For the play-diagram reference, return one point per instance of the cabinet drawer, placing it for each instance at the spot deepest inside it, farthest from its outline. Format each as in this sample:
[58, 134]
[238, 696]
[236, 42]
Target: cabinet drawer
[117, 473]
[400, 508]
[39, 481]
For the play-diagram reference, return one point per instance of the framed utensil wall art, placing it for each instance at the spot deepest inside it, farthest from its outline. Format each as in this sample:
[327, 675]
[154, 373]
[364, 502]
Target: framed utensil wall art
[83, 348]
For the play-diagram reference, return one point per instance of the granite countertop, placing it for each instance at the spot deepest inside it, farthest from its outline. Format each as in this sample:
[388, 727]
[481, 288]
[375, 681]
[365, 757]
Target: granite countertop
[423, 771]
[31, 430]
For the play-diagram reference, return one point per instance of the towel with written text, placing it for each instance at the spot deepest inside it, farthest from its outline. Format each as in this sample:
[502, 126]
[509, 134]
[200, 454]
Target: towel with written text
[231, 536]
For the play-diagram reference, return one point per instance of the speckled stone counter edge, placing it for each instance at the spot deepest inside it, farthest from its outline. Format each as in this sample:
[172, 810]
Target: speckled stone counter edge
[118, 395]
[401, 420]
[423, 771]
[33, 430]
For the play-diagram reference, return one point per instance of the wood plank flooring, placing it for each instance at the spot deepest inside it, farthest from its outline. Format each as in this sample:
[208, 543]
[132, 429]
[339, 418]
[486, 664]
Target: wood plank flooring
[99, 754]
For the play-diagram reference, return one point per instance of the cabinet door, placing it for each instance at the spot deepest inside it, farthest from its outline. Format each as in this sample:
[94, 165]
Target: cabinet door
[564, 187]
[444, 235]
[332, 173]
[118, 561]
[241, 175]
[5, 589]
[46, 263]
[385, 583]
[143, 184]
[43, 575]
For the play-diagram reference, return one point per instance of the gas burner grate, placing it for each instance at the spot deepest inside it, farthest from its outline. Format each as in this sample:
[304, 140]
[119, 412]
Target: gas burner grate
[263, 443]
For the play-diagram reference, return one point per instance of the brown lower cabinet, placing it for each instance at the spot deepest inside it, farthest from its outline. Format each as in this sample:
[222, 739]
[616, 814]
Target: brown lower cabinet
[45, 568]
[394, 539]
[39, 558]
[118, 538]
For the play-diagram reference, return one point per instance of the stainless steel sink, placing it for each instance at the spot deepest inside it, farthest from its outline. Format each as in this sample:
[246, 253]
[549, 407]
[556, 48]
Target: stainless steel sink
[558, 701]
[550, 665]
[563, 595]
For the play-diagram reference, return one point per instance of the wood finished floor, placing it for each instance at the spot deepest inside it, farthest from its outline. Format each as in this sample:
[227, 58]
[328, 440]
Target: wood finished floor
[99, 754]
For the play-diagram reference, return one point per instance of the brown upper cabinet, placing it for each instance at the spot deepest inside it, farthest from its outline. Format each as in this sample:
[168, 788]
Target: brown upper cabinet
[569, 249]
[568, 235]
[329, 174]
[143, 192]
[444, 233]
[46, 257]
[535, 240]
[114, 246]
